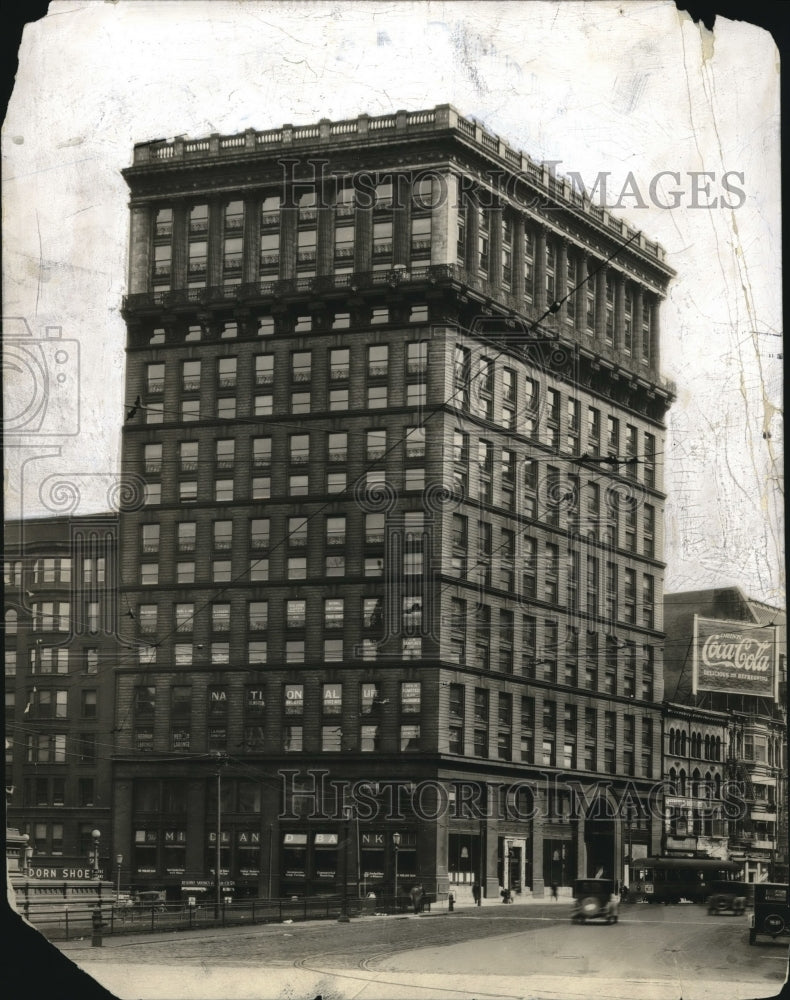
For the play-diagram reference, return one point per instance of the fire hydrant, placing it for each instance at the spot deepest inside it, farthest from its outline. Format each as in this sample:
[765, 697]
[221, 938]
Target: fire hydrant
[450, 901]
[98, 923]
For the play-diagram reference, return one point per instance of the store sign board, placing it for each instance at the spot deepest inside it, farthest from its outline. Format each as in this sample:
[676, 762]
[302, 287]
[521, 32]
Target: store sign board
[734, 657]
[60, 872]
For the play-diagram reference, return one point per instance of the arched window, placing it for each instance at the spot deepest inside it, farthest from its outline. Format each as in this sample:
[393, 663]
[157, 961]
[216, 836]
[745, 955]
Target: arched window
[673, 781]
[718, 748]
[717, 784]
[695, 776]
[10, 622]
[707, 746]
[708, 785]
[671, 742]
[682, 750]
[682, 788]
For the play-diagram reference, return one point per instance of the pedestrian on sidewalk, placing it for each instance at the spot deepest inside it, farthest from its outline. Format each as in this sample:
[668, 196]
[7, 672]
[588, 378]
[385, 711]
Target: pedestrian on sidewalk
[554, 894]
[477, 892]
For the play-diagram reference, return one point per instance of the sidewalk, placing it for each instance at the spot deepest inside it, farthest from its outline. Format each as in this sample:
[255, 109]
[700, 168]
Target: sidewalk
[227, 982]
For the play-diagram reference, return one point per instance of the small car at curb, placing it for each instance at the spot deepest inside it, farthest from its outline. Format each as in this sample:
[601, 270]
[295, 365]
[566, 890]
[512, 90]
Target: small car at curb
[771, 914]
[594, 899]
[727, 897]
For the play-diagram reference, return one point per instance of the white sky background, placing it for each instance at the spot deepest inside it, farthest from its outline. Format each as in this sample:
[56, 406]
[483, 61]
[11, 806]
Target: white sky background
[613, 87]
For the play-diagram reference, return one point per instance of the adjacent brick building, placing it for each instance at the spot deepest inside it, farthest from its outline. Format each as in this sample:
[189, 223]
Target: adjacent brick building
[60, 593]
[756, 745]
[394, 394]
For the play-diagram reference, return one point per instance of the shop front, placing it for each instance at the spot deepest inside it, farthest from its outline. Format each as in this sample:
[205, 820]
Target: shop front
[310, 861]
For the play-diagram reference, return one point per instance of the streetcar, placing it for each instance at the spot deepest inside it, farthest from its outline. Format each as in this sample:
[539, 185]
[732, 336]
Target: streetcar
[668, 880]
[771, 911]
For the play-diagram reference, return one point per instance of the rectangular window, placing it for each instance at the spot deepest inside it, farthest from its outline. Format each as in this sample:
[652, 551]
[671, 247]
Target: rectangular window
[648, 601]
[301, 366]
[410, 697]
[338, 399]
[649, 530]
[339, 363]
[257, 651]
[223, 490]
[630, 528]
[187, 490]
[297, 568]
[86, 748]
[461, 462]
[221, 570]
[378, 360]
[650, 460]
[152, 460]
[190, 376]
[593, 431]
[648, 672]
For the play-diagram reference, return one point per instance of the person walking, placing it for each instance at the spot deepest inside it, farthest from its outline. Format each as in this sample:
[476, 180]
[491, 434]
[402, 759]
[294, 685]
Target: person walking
[554, 894]
[477, 892]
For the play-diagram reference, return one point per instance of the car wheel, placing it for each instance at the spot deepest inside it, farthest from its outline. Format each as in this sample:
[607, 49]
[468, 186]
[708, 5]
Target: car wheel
[773, 924]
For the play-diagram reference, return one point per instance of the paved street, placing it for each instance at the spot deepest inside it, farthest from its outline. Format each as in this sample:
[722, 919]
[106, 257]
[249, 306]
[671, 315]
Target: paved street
[530, 951]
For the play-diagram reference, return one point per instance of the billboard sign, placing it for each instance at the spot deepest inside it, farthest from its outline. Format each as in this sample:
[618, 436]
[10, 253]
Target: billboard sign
[734, 657]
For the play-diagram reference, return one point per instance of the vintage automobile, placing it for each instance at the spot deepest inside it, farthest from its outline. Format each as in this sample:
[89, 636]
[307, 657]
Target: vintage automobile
[771, 914]
[151, 899]
[594, 898]
[727, 897]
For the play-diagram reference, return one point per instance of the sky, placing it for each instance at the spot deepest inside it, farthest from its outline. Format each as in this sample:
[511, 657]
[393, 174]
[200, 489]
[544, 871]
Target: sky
[682, 122]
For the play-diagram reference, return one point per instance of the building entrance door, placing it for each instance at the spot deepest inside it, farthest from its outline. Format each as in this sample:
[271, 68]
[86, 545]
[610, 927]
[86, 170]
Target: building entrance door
[599, 840]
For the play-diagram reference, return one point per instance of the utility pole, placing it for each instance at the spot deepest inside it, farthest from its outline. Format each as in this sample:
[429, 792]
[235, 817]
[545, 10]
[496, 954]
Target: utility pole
[217, 863]
[343, 865]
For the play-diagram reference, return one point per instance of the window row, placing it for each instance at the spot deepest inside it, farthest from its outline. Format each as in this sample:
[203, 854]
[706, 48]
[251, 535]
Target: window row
[220, 705]
[300, 401]
[486, 723]
[44, 660]
[526, 259]
[690, 744]
[282, 324]
[61, 748]
[546, 414]
[53, 791]
[335, 365]
[53, 703]
[260, 453]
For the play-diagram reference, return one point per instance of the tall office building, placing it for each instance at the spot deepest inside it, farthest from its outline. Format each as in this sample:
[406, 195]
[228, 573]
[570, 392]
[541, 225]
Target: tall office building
[394, 393]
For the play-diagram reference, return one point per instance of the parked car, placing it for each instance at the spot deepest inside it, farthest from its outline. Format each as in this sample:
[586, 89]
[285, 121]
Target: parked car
[151, 898]
[727, 897]
[771, 914]
[595, 898]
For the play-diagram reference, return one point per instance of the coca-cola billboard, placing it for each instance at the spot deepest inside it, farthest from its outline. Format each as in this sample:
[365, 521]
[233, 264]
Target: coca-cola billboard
[736, 657]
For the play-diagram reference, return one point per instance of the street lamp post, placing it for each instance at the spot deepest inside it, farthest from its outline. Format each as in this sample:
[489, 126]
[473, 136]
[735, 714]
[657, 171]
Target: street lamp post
[94, 855]
[396, 847]
[27, 854]
[118, 862]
